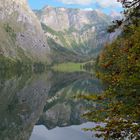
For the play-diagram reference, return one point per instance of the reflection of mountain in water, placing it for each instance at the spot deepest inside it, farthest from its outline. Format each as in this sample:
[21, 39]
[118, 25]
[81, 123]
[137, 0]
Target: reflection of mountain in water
[21, 102]
[61, 108]
[23, 97]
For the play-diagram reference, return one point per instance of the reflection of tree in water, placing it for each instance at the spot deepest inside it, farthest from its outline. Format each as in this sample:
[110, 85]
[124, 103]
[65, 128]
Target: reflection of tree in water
[89, 66]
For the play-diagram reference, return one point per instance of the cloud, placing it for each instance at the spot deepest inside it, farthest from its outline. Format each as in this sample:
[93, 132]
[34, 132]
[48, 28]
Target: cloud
[108, 3]
[101, 3]
[88, 9]
[80, 2]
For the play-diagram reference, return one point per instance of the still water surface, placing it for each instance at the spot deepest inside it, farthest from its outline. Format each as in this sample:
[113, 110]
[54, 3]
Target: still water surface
[42, 107]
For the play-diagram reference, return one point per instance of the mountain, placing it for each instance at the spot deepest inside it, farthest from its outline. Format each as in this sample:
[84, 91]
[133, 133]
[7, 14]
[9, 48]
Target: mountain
[21, 35]
[78, 33]
[70, 34]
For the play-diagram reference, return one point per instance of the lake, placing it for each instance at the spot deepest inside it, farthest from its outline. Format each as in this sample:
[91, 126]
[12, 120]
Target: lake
[41, 106]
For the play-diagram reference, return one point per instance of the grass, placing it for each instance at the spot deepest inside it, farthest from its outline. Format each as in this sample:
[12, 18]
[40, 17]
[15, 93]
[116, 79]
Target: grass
[68, 67]
[75, 67]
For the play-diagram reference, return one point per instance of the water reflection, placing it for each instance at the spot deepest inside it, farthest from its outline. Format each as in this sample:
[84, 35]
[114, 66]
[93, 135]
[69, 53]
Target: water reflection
[42, 99]
[61, 108]
[22, 99]
[65, 133]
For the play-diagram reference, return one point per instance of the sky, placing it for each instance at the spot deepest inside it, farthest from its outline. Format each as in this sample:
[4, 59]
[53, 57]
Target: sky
[107, 6]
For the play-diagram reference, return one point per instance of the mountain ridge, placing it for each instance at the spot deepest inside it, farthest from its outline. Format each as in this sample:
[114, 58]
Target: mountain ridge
[82, 32]
[21, 34]
[52, 35]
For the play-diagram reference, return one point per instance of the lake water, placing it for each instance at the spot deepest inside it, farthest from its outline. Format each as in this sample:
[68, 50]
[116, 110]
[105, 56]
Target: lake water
[64, 133]
[42, 107]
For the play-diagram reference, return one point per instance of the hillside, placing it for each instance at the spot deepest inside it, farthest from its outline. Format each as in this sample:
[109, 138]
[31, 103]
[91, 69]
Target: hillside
[21, 35]
[80, 32]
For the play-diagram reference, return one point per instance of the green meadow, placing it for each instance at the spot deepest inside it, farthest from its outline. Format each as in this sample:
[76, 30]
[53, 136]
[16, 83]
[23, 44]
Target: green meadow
[68, 67]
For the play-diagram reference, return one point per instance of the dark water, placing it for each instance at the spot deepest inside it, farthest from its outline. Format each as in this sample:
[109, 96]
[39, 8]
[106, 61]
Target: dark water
[30, 101]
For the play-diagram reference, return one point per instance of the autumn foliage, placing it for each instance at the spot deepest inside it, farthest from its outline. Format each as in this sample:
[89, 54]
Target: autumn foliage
[118, 107]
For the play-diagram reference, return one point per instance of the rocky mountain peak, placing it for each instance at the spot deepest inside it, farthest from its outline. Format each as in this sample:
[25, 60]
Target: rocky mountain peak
[29, 36]
[81, 31]
[64, 18]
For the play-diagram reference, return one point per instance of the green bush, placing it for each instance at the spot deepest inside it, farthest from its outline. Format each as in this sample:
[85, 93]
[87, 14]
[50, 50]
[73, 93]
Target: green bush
[10, 31]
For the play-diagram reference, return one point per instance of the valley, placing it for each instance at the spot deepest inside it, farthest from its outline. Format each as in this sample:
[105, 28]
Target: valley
[31, 38]
[74, 34]
[69, 69]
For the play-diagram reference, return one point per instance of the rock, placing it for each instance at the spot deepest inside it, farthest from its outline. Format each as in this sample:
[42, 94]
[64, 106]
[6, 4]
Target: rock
[80, 31]
[29, 37]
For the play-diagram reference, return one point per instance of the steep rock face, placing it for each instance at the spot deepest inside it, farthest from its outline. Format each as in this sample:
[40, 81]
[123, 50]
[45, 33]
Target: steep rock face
[80, 31]
[21, 33]
[76, 18]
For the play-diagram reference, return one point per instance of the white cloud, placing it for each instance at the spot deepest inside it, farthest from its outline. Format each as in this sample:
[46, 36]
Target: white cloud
[87, 9]
[108, 3]
[102, 3]
[81, 2]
